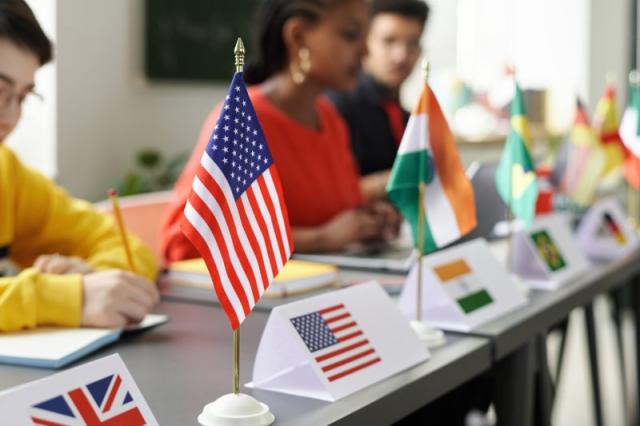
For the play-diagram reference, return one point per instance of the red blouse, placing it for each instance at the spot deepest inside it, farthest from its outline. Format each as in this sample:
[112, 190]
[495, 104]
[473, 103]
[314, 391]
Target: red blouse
[318, 173]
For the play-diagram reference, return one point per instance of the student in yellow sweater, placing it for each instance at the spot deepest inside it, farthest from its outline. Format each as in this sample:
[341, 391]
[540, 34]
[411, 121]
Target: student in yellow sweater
[74, 259]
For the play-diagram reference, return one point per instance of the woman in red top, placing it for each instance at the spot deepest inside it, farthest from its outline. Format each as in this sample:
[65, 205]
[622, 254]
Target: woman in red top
[302, 49]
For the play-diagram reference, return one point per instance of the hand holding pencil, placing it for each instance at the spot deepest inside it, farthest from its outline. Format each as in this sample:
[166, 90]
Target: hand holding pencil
[116, 298]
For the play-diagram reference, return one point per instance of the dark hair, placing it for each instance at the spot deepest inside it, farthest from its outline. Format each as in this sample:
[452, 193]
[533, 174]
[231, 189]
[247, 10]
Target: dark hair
[18, 24]
[414, 9]
[268, 53]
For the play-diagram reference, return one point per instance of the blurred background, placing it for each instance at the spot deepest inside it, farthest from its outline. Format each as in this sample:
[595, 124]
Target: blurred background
[133, 80]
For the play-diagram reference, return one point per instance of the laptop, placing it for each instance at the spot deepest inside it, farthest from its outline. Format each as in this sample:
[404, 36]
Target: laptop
[490, 208]
[400, 255]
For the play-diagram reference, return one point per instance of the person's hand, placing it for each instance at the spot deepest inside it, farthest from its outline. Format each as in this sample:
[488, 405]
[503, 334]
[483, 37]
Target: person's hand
[374, 185]
[116, 298]
[388, 218]
[350, 227]
[58, 264]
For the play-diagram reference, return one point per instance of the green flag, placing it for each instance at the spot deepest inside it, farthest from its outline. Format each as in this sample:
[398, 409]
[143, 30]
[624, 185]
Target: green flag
[516, 175]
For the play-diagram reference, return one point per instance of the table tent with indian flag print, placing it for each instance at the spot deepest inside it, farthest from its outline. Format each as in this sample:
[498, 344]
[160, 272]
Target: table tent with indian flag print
[465, 286]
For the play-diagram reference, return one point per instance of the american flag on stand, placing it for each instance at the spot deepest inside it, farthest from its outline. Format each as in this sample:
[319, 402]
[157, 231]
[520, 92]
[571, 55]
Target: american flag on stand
[336, 342]
[103, 402]
[235, 215]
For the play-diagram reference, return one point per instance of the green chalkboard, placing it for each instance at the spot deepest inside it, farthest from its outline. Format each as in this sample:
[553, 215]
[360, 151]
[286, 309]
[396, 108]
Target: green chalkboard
[194, 39]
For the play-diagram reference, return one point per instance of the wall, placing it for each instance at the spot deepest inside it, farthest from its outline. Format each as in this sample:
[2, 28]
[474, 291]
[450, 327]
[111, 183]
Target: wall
[609, 44]
[106, 109]
[34, 140]
[566, 46]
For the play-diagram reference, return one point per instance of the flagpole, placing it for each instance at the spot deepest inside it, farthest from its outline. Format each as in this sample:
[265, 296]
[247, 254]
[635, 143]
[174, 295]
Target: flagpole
[421, 192]
[509, 213]
[239, 53]
[421, 188]
[236, 408]
[236, 361]
[509, 219]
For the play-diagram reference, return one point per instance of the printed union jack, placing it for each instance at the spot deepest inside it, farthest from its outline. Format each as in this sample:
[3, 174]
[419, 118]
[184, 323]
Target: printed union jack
[337, 343]
[104, 402]
[235, 215]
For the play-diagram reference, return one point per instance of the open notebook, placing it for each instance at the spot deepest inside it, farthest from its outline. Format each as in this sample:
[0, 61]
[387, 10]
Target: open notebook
[55, 347]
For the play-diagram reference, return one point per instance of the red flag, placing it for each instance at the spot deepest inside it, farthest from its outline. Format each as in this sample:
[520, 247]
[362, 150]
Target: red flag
[235, 215]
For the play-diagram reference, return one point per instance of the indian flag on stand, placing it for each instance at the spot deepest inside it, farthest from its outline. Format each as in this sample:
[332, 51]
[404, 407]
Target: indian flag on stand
[516, 176]
[630, 134]
[428, 154]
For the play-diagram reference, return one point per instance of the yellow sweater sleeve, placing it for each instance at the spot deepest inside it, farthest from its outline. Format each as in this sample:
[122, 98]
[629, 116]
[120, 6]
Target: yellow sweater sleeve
[32, 298]
[46, 221]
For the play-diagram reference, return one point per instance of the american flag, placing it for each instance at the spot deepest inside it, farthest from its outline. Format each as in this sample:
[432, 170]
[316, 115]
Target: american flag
[235, 215]
[336, 342]
[103, 402]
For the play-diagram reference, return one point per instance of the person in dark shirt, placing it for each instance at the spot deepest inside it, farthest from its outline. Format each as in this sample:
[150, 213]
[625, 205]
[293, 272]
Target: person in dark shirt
[372, 111]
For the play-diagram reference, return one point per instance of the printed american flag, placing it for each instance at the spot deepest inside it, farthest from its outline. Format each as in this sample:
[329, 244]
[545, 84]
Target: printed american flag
[103, 402]
[235, 215]
[336, 342]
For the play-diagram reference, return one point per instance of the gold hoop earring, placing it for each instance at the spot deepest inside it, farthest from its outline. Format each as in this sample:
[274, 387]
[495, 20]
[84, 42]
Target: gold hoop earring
[305, 60]
[301, 68]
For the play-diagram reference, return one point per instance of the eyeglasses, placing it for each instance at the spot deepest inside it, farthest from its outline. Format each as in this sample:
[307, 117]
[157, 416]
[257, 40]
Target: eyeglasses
[8, 94]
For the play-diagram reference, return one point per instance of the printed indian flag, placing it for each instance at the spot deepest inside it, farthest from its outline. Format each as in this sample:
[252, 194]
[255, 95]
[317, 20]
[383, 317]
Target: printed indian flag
[516, 176]
[630, 134]
[462, 286]
[606, 122]
[586, 160]
[428, 154]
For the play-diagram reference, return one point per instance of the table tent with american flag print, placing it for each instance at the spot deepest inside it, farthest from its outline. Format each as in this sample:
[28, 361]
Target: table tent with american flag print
[334, 344]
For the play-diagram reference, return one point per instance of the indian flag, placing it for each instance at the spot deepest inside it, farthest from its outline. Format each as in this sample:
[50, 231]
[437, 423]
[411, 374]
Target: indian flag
[428, 154]
[630, 134]
[516, 176]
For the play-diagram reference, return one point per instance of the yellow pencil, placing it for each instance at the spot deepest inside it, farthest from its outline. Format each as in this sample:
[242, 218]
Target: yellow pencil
[113, 196]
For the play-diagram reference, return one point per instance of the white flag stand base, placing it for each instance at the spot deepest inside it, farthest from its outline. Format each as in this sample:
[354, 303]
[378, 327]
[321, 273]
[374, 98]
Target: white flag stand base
[430, 336]
[236, 410]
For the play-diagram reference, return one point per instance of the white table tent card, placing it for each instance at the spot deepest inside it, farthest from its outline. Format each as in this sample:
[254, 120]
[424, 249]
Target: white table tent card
[546, 256]
[98, 392]
[329, 346]
[463, 287]
[604, 232]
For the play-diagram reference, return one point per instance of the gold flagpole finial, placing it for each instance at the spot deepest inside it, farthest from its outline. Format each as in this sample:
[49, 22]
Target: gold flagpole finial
[239, 52]
[425, 70]
[634, 78]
